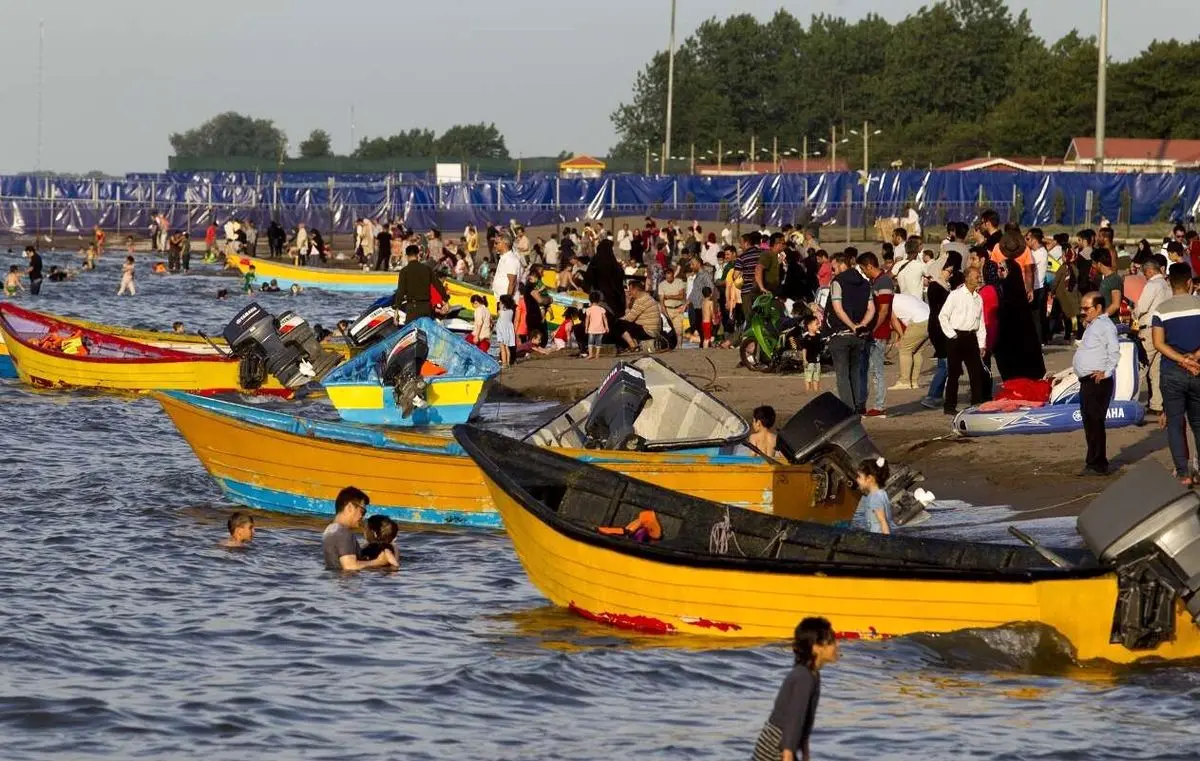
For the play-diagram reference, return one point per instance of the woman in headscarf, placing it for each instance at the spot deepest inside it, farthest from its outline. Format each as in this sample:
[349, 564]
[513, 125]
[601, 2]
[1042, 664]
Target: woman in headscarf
[605, 274]
[990, 295]
[1017, 349]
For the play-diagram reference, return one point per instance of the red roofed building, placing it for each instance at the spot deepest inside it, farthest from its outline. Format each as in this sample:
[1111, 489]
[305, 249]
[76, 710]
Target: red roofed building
[1123, 154]
[581, 166]
[1008, 164]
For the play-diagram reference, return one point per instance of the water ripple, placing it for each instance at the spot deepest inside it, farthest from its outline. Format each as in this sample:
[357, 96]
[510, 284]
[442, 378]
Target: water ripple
[128, 631]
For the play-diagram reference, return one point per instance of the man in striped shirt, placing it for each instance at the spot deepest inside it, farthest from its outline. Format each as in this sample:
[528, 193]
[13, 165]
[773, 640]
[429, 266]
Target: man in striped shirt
[1176, 327]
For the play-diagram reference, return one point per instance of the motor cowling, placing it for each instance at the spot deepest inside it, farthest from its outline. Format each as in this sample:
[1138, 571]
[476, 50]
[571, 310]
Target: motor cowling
[1146, 527]
[828, 434]
[619, 400]
[401, 369]
[377, 322]
[293, 356]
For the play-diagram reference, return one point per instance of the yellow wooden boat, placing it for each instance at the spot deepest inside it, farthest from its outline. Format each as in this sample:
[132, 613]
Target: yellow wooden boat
[358, 281]
[721, 571]
[283, 463]
[52, 354]
[186, 342]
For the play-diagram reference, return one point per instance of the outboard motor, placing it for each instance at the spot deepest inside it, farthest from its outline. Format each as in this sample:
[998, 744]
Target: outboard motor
[377, 322]
[830, 435]
[1146, 527]
[294, 357]
[619, 401]
[402, 371]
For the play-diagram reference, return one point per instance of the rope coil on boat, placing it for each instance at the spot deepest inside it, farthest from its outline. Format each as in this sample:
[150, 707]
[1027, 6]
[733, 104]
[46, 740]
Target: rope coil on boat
[720, 536]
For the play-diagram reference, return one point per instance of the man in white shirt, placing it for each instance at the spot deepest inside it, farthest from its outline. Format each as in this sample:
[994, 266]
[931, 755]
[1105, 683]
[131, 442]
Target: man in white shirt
[1156, 291]
[1035, 240]
[625, 241]
[910, 319]
[508, 270]
[523, 247]
[912, 220]
[961, 319]
[550, 250]
[910, 274]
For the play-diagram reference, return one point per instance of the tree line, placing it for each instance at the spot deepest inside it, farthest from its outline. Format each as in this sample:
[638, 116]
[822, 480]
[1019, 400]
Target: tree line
[952, 81]
[237, 135]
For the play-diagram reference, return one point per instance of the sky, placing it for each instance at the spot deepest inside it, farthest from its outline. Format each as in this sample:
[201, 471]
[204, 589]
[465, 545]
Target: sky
[119, 76]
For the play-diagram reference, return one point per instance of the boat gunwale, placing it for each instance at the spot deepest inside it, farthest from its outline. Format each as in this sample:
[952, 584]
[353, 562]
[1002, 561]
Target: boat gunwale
[479, 452]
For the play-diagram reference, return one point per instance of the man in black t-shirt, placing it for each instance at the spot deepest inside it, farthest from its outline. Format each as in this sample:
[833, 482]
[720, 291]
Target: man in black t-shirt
[383, 248]
[34, 271]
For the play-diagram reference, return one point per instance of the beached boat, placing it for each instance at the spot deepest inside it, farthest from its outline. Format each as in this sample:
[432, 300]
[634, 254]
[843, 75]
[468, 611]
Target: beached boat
[721, 571]
[358, 281]
[424, 374]
[280, 462]
[50, 353]
[1060, 412]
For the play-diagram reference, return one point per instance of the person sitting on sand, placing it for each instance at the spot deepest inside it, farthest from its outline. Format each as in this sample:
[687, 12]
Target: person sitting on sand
[241, 528]
[338, 544]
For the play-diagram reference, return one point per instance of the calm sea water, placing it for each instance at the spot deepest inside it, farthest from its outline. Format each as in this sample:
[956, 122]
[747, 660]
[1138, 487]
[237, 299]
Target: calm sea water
[128, 633]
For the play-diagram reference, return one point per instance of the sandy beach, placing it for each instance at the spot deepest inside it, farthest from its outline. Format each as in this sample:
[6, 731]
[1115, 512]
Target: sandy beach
[1036, 474]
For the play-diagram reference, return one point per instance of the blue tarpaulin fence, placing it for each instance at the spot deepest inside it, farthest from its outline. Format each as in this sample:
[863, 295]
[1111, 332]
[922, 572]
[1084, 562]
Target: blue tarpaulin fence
[70, 204]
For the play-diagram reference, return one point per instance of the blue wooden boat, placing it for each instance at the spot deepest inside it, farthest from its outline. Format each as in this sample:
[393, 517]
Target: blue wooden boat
[422, 375]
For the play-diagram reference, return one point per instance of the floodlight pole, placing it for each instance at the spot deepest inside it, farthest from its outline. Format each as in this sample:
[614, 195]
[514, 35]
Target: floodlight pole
[1102, 87]
[670, 88]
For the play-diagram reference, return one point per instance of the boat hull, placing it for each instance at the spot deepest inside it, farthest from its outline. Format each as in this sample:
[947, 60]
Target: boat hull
[1052, 418]
[145, 368]
[282, 463]
[7, 368]
[380, 283]
[358, 391]
[596, 581]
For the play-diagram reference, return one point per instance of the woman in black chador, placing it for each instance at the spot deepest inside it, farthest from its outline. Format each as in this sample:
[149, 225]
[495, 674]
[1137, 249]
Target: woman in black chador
[1018, 352]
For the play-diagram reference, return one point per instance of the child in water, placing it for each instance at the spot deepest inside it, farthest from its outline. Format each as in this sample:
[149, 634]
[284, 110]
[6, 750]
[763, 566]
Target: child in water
[762, 435]
[241, 529]
[127, 285]
[506, 331]
[874, 511]
[380, 533]
[177, 327]
[248, 280]
[12, 283]
[786, 734]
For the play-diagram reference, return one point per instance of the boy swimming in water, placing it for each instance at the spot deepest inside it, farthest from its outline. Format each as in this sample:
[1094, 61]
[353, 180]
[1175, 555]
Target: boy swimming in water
[248, 280]
[241, 529]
